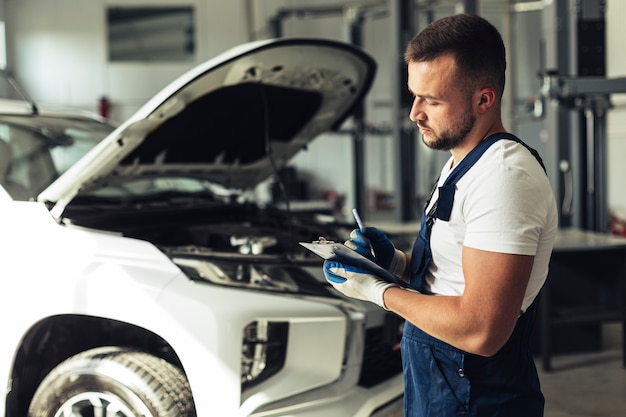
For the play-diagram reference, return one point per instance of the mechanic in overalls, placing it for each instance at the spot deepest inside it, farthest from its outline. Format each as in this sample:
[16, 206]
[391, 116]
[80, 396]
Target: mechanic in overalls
[487, 235]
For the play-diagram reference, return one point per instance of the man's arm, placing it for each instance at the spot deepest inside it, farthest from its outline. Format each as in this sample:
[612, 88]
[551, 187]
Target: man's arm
[482, 319]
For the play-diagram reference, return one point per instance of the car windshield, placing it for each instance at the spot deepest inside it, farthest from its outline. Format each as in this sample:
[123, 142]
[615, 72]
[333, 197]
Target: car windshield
[35, 150]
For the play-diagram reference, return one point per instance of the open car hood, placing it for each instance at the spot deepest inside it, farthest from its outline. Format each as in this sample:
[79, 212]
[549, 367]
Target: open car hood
[221, 120]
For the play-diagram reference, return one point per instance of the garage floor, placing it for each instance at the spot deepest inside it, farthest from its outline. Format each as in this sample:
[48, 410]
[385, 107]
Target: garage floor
[585, 385]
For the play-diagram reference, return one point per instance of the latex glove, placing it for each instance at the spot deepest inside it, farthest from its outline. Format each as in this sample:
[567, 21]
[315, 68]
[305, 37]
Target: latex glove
[375, 245]
[356, 283]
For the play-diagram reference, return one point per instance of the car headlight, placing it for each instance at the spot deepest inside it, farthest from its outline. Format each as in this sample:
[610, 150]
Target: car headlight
[277, 277]
[263, 351]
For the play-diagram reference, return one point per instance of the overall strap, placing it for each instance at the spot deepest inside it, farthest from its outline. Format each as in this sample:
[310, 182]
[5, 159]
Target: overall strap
[447, 190]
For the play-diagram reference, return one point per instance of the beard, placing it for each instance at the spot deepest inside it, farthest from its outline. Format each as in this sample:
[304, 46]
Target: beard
[452, 137]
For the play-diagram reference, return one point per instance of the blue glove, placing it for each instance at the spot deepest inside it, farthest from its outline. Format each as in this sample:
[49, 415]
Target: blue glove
[375, 245]
[356, 283]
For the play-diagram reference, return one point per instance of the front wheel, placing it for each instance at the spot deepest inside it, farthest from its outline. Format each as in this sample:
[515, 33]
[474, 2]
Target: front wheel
[113, 382]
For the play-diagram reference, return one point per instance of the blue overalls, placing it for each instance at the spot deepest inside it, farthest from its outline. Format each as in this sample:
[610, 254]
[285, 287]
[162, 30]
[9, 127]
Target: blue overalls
[443, 381]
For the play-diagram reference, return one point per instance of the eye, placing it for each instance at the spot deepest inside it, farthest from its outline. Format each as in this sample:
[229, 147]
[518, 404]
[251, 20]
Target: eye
[428, 100]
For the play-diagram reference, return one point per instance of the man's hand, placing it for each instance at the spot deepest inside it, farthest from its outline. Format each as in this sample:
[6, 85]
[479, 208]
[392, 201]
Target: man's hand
[384, 252]
[356, 283]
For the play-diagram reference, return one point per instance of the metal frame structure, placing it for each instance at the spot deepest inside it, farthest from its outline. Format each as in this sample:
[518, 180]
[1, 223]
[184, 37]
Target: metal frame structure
[576, 97]
[403, 16]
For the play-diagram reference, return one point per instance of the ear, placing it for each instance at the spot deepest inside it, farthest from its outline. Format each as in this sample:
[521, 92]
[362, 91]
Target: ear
[486, 98]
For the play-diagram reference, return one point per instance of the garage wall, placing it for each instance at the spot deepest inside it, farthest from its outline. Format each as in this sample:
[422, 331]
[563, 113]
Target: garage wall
[58, 50]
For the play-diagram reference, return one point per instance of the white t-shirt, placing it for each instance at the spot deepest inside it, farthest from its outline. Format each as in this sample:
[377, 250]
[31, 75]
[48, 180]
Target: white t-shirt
[504, 203]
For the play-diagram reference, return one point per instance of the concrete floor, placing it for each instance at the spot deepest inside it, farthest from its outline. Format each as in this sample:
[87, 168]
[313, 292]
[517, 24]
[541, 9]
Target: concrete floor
[590, 384]
[585, 385]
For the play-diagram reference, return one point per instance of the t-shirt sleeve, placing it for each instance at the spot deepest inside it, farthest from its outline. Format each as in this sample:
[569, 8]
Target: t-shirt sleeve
[505, 212]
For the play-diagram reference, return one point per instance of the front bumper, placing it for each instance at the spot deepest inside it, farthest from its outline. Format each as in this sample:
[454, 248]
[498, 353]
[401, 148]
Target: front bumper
[348, 395]
[384, 400]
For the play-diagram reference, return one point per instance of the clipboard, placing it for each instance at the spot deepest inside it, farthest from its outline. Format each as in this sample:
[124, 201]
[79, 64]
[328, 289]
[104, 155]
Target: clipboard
[338, 252]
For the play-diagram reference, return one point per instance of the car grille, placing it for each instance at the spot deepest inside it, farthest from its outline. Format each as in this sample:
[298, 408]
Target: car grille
[381, 358]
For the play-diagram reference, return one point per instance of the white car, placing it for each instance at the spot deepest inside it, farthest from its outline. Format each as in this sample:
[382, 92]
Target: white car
[139, 279]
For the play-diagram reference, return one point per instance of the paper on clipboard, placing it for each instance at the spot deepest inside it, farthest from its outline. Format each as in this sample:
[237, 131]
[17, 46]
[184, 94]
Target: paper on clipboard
[338, 252]
[322, 249]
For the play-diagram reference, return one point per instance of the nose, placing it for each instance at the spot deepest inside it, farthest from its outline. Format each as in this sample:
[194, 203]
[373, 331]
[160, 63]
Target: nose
[416, 113]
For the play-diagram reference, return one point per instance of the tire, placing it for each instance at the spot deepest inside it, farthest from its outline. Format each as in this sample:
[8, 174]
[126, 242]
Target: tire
[112, 381]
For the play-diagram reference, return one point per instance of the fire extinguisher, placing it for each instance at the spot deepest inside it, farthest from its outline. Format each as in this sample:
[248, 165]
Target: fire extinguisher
[104, 107]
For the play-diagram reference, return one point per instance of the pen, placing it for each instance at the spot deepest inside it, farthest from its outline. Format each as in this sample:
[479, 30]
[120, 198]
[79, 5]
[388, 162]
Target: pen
[358, 220]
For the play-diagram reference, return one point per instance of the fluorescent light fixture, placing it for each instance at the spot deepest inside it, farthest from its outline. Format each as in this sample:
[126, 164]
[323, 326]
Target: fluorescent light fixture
[529, 6]
[3, 47]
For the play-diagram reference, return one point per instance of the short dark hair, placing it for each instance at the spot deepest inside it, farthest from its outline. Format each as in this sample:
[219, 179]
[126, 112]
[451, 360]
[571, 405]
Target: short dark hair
[476, 44]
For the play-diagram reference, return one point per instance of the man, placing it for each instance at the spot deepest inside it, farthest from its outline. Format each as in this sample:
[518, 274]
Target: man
[485, 244]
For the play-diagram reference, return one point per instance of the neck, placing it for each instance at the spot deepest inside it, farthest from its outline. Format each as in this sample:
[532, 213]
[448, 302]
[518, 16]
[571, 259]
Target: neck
[476, 136]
